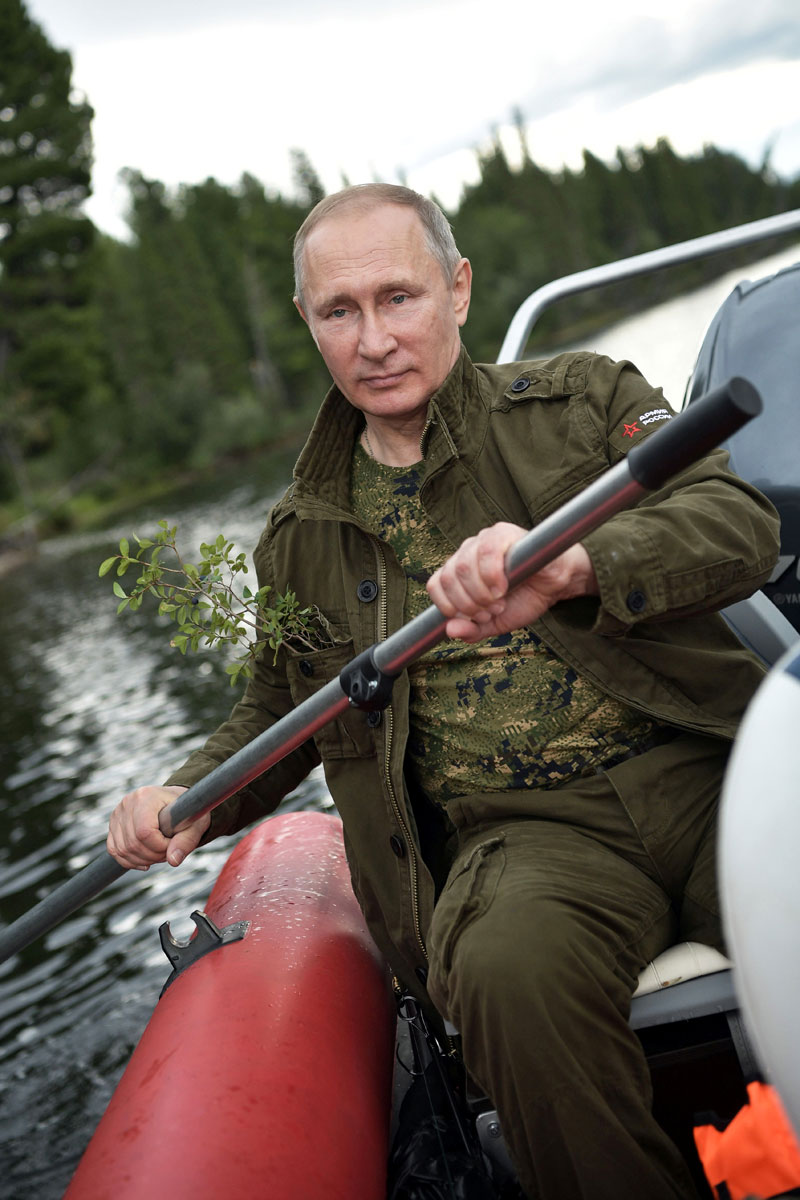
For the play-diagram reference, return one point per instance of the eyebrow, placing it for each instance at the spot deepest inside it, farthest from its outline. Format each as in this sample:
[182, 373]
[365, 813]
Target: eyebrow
[329, 302]
[338, 299]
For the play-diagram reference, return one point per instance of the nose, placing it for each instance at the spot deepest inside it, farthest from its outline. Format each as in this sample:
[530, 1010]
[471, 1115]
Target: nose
[376, 339]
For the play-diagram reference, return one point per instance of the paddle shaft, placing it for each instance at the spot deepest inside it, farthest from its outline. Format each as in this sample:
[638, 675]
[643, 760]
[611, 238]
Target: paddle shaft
[676, 445]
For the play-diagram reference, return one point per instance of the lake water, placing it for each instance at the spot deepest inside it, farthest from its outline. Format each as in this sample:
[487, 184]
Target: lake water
[664, 341]
[92, 704]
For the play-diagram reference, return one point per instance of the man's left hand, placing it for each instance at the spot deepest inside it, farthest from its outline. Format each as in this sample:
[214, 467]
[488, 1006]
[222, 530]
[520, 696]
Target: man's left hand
[471, 589]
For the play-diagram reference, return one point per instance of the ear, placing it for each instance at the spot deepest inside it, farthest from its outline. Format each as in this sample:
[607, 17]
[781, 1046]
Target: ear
[305, 318]
[462, 290]
[296, 303]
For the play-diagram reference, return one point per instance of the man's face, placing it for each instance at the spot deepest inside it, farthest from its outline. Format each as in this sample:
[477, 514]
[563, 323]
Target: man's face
[383, 315]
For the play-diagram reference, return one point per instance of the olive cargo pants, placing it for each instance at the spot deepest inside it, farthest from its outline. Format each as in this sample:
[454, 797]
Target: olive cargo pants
[554, 904]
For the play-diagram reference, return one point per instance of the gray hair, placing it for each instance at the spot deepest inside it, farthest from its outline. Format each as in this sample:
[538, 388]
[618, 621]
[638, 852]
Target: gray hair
[365, 196]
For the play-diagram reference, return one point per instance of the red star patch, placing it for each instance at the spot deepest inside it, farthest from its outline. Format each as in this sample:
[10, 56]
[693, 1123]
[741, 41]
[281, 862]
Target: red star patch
[630, 430]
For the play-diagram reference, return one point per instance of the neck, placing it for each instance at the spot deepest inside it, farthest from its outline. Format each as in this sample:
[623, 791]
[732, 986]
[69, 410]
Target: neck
[391, 446]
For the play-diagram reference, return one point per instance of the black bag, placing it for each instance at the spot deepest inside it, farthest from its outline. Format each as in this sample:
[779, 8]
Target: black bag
[436, 1154]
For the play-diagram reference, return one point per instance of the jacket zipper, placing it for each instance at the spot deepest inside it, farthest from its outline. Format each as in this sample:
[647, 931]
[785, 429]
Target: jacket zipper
[383, 633]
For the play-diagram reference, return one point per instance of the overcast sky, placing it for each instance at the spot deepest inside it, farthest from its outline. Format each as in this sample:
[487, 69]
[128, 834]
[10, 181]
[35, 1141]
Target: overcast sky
[185, 89]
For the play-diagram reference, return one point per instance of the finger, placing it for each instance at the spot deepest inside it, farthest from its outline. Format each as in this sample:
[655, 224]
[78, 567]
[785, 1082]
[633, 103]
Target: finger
[134, 837]
[465, 630]
[132, 861]
[438, 595]
[186, 841]
[143, 836]
[479, 575]
[457, 588]
[475, 577]
[491, 564]
[446, 589]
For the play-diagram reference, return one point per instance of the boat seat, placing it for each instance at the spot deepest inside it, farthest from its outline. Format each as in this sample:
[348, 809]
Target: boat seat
[678, 965]
[686, 982]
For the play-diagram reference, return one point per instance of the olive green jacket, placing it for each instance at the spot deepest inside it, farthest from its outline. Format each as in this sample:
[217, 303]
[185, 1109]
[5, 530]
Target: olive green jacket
[501, 443]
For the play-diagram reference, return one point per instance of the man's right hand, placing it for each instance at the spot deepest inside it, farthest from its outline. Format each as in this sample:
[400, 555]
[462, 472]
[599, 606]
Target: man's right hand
[471, 589]
[134, 837]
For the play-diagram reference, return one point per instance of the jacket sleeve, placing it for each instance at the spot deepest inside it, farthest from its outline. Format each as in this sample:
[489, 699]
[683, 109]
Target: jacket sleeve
[703, 541]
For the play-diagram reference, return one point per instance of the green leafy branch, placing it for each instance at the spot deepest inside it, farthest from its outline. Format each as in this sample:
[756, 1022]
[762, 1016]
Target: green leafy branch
[208, 601]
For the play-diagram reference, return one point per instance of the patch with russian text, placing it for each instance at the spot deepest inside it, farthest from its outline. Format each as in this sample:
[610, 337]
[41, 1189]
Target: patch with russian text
[652, 417]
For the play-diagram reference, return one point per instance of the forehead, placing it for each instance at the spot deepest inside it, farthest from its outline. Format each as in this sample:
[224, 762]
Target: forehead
[355, 245]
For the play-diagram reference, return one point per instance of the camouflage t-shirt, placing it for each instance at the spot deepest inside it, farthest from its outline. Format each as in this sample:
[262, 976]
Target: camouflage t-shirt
[502, 713]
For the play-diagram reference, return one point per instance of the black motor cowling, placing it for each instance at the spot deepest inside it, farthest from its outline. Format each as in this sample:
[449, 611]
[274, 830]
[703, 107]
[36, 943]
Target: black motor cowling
[756, 334]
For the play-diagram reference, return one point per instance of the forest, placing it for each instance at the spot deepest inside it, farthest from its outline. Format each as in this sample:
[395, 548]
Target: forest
[126, 363]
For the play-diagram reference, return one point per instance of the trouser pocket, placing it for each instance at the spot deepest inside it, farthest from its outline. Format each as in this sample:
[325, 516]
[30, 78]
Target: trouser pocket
[467, 896]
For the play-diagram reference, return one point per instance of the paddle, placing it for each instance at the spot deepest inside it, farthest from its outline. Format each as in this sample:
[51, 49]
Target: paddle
[366, 681]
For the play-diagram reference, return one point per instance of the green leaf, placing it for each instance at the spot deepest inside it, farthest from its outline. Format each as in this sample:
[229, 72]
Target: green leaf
[124, 547]
[118, 590]
[106, 565]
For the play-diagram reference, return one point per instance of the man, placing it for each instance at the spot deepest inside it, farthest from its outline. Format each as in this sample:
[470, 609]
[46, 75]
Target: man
[532, 819]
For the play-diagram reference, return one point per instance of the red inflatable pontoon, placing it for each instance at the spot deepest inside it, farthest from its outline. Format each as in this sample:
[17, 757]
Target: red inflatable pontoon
[265, 1070]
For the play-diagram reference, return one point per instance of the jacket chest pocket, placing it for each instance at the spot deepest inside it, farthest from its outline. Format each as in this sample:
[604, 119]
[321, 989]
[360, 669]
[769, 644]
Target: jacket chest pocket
[350, 735]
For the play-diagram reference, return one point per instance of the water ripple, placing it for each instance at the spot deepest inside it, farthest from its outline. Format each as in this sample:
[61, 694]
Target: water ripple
[90, 706]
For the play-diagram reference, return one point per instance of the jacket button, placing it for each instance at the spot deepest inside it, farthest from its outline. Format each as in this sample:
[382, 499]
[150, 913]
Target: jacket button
[374, 718]
[422, 975]
[521, 384]
[398, 845]
[636, 601]
[367, 590]
[306, 667]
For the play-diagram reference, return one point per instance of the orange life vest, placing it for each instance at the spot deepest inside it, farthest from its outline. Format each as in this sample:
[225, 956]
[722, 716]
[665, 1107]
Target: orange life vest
[756, 1155]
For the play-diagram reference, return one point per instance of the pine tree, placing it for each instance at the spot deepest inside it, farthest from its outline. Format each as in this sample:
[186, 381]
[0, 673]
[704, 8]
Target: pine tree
[48, 365]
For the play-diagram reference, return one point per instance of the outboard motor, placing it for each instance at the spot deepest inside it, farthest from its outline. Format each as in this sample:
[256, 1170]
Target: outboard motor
[756, 334]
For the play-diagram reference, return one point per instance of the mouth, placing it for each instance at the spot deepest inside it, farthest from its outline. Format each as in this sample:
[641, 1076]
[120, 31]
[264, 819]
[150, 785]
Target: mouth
[384, 381]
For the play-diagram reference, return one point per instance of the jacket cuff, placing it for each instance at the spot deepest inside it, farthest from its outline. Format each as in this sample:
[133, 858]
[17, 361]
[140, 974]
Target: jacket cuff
[630, 578]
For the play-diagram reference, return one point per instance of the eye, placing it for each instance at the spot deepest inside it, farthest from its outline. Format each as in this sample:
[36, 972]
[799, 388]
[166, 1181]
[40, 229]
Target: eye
[399, 298]
[338, 313]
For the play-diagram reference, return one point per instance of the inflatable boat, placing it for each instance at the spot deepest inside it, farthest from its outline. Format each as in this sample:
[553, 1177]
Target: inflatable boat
[268, 1066]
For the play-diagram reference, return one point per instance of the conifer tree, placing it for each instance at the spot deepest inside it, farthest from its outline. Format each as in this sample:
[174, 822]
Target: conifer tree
[47, 364]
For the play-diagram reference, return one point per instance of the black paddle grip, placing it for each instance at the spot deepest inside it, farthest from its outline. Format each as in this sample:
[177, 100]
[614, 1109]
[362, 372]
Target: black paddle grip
[699, 428]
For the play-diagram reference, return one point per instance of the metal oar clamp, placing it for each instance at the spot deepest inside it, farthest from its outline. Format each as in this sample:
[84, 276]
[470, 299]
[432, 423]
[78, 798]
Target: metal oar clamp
[206, 937]
[651, 463]
[365, 684]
